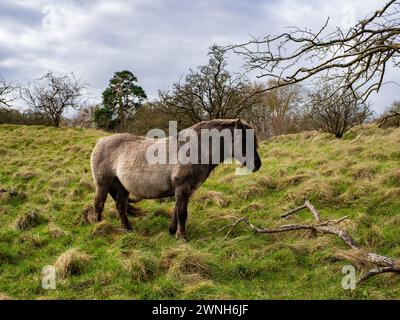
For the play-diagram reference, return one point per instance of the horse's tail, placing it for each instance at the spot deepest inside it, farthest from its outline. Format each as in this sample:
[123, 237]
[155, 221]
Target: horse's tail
[130, 200]
[134, 211]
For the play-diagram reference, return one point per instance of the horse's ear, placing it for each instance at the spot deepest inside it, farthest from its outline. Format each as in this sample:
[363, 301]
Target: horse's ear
[238, 124]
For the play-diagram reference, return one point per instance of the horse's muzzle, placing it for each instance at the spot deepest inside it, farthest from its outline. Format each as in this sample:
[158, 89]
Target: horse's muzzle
[257, 165]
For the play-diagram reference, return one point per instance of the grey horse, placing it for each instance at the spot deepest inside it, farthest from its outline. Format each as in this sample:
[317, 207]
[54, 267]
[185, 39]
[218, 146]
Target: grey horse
[121, 167]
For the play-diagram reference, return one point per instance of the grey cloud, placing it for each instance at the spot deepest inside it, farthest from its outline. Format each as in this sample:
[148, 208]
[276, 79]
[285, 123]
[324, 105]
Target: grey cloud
[158, 40]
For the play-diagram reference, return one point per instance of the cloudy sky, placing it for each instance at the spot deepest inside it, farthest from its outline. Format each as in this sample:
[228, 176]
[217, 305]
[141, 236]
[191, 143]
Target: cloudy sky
[158, 40]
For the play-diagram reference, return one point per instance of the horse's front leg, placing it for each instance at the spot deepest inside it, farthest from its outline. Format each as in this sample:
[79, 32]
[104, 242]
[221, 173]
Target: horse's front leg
[182, 198]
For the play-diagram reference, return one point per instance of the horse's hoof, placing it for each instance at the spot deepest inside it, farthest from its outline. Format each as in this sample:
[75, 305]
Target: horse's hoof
[127, 229]
[181, 236]
[172, 230]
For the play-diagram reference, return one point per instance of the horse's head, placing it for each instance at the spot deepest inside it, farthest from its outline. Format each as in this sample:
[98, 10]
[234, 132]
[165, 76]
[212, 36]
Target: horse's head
[230, 138]
[245, 145]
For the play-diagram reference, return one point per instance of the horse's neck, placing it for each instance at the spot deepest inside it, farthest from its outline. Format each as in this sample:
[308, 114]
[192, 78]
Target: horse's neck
[174, 142]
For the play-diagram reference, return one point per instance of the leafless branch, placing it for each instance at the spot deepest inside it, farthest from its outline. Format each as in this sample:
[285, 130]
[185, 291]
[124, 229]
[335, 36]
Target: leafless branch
[357, 57]
[323, 226]
[392, 114]
[6, 91]
[210, 92]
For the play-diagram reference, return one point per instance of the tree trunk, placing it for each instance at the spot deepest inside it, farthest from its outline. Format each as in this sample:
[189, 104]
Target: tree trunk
[56, 121]
[121, 114]
[339, 135]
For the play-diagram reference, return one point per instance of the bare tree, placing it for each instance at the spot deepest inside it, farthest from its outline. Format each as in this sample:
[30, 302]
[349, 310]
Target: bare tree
[283, 102]
[334, 112]
[391, 117]
[358, 57]
[6, 90]
[54, 94]
[208, 93]
[84, 118]
[274, 112]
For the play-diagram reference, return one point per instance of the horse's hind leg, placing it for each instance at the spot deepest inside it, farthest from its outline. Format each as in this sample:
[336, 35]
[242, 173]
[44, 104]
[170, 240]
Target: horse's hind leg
[121, 195]
[131, 209]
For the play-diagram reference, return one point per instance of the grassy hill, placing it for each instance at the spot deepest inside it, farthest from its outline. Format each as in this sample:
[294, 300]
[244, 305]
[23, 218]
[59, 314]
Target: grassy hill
[47, 176]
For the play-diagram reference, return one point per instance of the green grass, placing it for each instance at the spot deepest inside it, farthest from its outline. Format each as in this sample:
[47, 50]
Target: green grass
[47, 175]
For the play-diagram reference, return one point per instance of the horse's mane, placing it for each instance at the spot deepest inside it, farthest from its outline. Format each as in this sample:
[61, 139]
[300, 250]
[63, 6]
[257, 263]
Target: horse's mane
[221, 123]
[224, 123]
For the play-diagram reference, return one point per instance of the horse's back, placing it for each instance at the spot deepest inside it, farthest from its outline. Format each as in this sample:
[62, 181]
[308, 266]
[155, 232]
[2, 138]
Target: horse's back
[104, 159]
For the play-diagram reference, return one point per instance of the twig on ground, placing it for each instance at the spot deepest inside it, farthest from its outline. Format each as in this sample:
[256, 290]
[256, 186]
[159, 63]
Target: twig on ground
[385, 264]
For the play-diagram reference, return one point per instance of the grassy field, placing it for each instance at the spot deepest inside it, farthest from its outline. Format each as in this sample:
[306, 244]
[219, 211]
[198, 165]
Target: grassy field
[47, 176]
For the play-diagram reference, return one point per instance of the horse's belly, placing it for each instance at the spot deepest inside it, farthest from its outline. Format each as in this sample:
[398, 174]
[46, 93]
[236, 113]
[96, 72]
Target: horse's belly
[147, 184]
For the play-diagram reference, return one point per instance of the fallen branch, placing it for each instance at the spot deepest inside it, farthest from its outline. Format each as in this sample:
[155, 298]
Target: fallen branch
[290, 212]
[376, 271]
[385, 264]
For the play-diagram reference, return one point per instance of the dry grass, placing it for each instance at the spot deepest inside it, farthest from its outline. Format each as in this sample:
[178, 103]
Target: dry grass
[279, 152]
[253, 207]
[323, 190]
[363, 171]
[60, 182]
[307, 245]
[251, 191]
[186, 261]
[373, 237]
[392, 178]
[358, 191]
[87, 216]
[26, 174]
[12, 194]
[141, 265]
[86, 185]
[5, 297]
[197, 285]
[71, 262]
[55, 231]
[27, 221]
[266, 182]
[212, 197]
[393, 222]
[354, 256]
[391, 194]
[104, 228]
[34, 239]
[295, 180]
